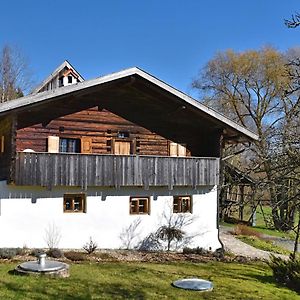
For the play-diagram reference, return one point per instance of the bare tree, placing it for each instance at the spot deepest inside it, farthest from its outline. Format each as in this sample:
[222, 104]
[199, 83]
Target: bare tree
[293, 22]
[52, 236]
[251, 88]
[15, 77]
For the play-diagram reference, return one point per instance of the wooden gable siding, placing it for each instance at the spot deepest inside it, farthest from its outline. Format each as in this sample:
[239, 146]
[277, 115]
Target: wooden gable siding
[8, 147]
[101, 126]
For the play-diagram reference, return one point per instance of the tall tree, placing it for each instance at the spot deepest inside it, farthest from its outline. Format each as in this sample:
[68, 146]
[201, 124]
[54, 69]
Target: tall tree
[15, 78]
[250, 88]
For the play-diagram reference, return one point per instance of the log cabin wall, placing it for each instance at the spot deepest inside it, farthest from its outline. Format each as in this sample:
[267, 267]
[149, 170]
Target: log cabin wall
[103, 127]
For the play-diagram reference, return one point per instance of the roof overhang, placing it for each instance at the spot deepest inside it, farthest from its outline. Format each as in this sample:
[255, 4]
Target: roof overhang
[92, 89]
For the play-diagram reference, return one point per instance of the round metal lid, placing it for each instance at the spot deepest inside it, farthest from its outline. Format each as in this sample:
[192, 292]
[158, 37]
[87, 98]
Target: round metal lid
[194, 284]
[49, 266]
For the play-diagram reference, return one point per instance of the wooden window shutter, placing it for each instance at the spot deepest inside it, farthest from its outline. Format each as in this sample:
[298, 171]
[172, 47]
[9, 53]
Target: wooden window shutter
[86, 145]
[173, 149]
[53, 144]
[181, 150]
[176, 149]
[122, 147]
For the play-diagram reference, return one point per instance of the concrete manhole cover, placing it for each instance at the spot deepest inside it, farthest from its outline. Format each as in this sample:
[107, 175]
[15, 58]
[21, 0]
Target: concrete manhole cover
[194, 284]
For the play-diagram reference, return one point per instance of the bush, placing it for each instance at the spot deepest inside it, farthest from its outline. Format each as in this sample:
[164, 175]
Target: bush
[286, 272]
[198, 250]
[241, 229]
[36, 252]
[75, 256]
[90, 246]
[55, 253]
[9, 253]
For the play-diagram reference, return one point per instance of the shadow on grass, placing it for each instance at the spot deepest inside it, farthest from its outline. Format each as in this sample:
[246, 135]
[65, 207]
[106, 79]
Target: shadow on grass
[62, 289]
[270, 279]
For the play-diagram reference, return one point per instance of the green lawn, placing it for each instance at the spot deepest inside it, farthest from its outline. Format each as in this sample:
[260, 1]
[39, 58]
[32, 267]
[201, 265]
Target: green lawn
[263, 244]
[146, 281]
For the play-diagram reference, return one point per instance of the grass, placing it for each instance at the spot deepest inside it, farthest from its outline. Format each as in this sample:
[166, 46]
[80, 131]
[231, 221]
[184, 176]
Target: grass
[260, 223]
[263, 244]
[146, 281]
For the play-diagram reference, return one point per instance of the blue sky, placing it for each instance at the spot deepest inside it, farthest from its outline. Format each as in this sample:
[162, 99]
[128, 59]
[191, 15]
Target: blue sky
[169, 39]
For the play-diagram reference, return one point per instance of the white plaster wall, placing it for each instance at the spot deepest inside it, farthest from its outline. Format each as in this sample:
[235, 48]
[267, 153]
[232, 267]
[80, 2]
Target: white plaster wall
[26, 214]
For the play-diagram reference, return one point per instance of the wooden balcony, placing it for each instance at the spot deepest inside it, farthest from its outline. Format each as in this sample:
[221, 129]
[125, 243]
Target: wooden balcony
[84, 170]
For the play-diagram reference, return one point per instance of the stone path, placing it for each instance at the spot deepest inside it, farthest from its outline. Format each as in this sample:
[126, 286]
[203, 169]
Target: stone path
[237, 247]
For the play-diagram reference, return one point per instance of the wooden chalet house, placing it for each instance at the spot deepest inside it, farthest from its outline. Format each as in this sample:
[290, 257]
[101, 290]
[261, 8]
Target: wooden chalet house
[109, 158]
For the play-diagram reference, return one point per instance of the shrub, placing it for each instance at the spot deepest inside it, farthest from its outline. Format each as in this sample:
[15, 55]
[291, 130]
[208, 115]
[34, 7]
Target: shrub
[36, 252]
[75, 256]
[198, 250]
[55, 253]
[8, 253]
[90, 246]
[286, 272]
[241, 229]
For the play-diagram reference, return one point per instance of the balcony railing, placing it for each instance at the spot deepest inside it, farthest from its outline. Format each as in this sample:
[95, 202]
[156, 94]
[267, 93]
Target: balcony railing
[60, 169]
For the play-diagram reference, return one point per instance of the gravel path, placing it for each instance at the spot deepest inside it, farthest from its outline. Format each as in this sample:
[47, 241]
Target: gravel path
[237, 247]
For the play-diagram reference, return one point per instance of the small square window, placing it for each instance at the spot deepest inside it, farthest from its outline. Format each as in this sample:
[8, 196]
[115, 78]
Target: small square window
[74, 203]
[123, 134]
[139, 205]
[182, 204]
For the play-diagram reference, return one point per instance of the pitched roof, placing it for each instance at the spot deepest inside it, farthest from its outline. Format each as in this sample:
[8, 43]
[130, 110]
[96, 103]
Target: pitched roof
[33, 100]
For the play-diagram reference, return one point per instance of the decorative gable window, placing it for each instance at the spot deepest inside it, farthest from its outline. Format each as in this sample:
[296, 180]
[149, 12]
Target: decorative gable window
[139, 205]
[182, 204]
[74, 203]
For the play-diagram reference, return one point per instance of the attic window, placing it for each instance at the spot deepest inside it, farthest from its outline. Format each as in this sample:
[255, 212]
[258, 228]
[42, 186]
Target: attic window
[70, 79]
[61, 81]
[74, 203]
[182, 204]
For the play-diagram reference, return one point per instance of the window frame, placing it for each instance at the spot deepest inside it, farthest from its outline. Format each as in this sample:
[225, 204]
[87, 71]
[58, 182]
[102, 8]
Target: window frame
[73, 197]
[179, 204]
[138, 199]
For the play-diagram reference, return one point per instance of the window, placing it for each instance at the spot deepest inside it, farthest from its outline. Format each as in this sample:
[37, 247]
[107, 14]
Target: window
[139, 205]
[74, 203]
[2, 144]
[61, 81]
[69, 145]
[70, 78]
[123, 134]
[182, 204]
